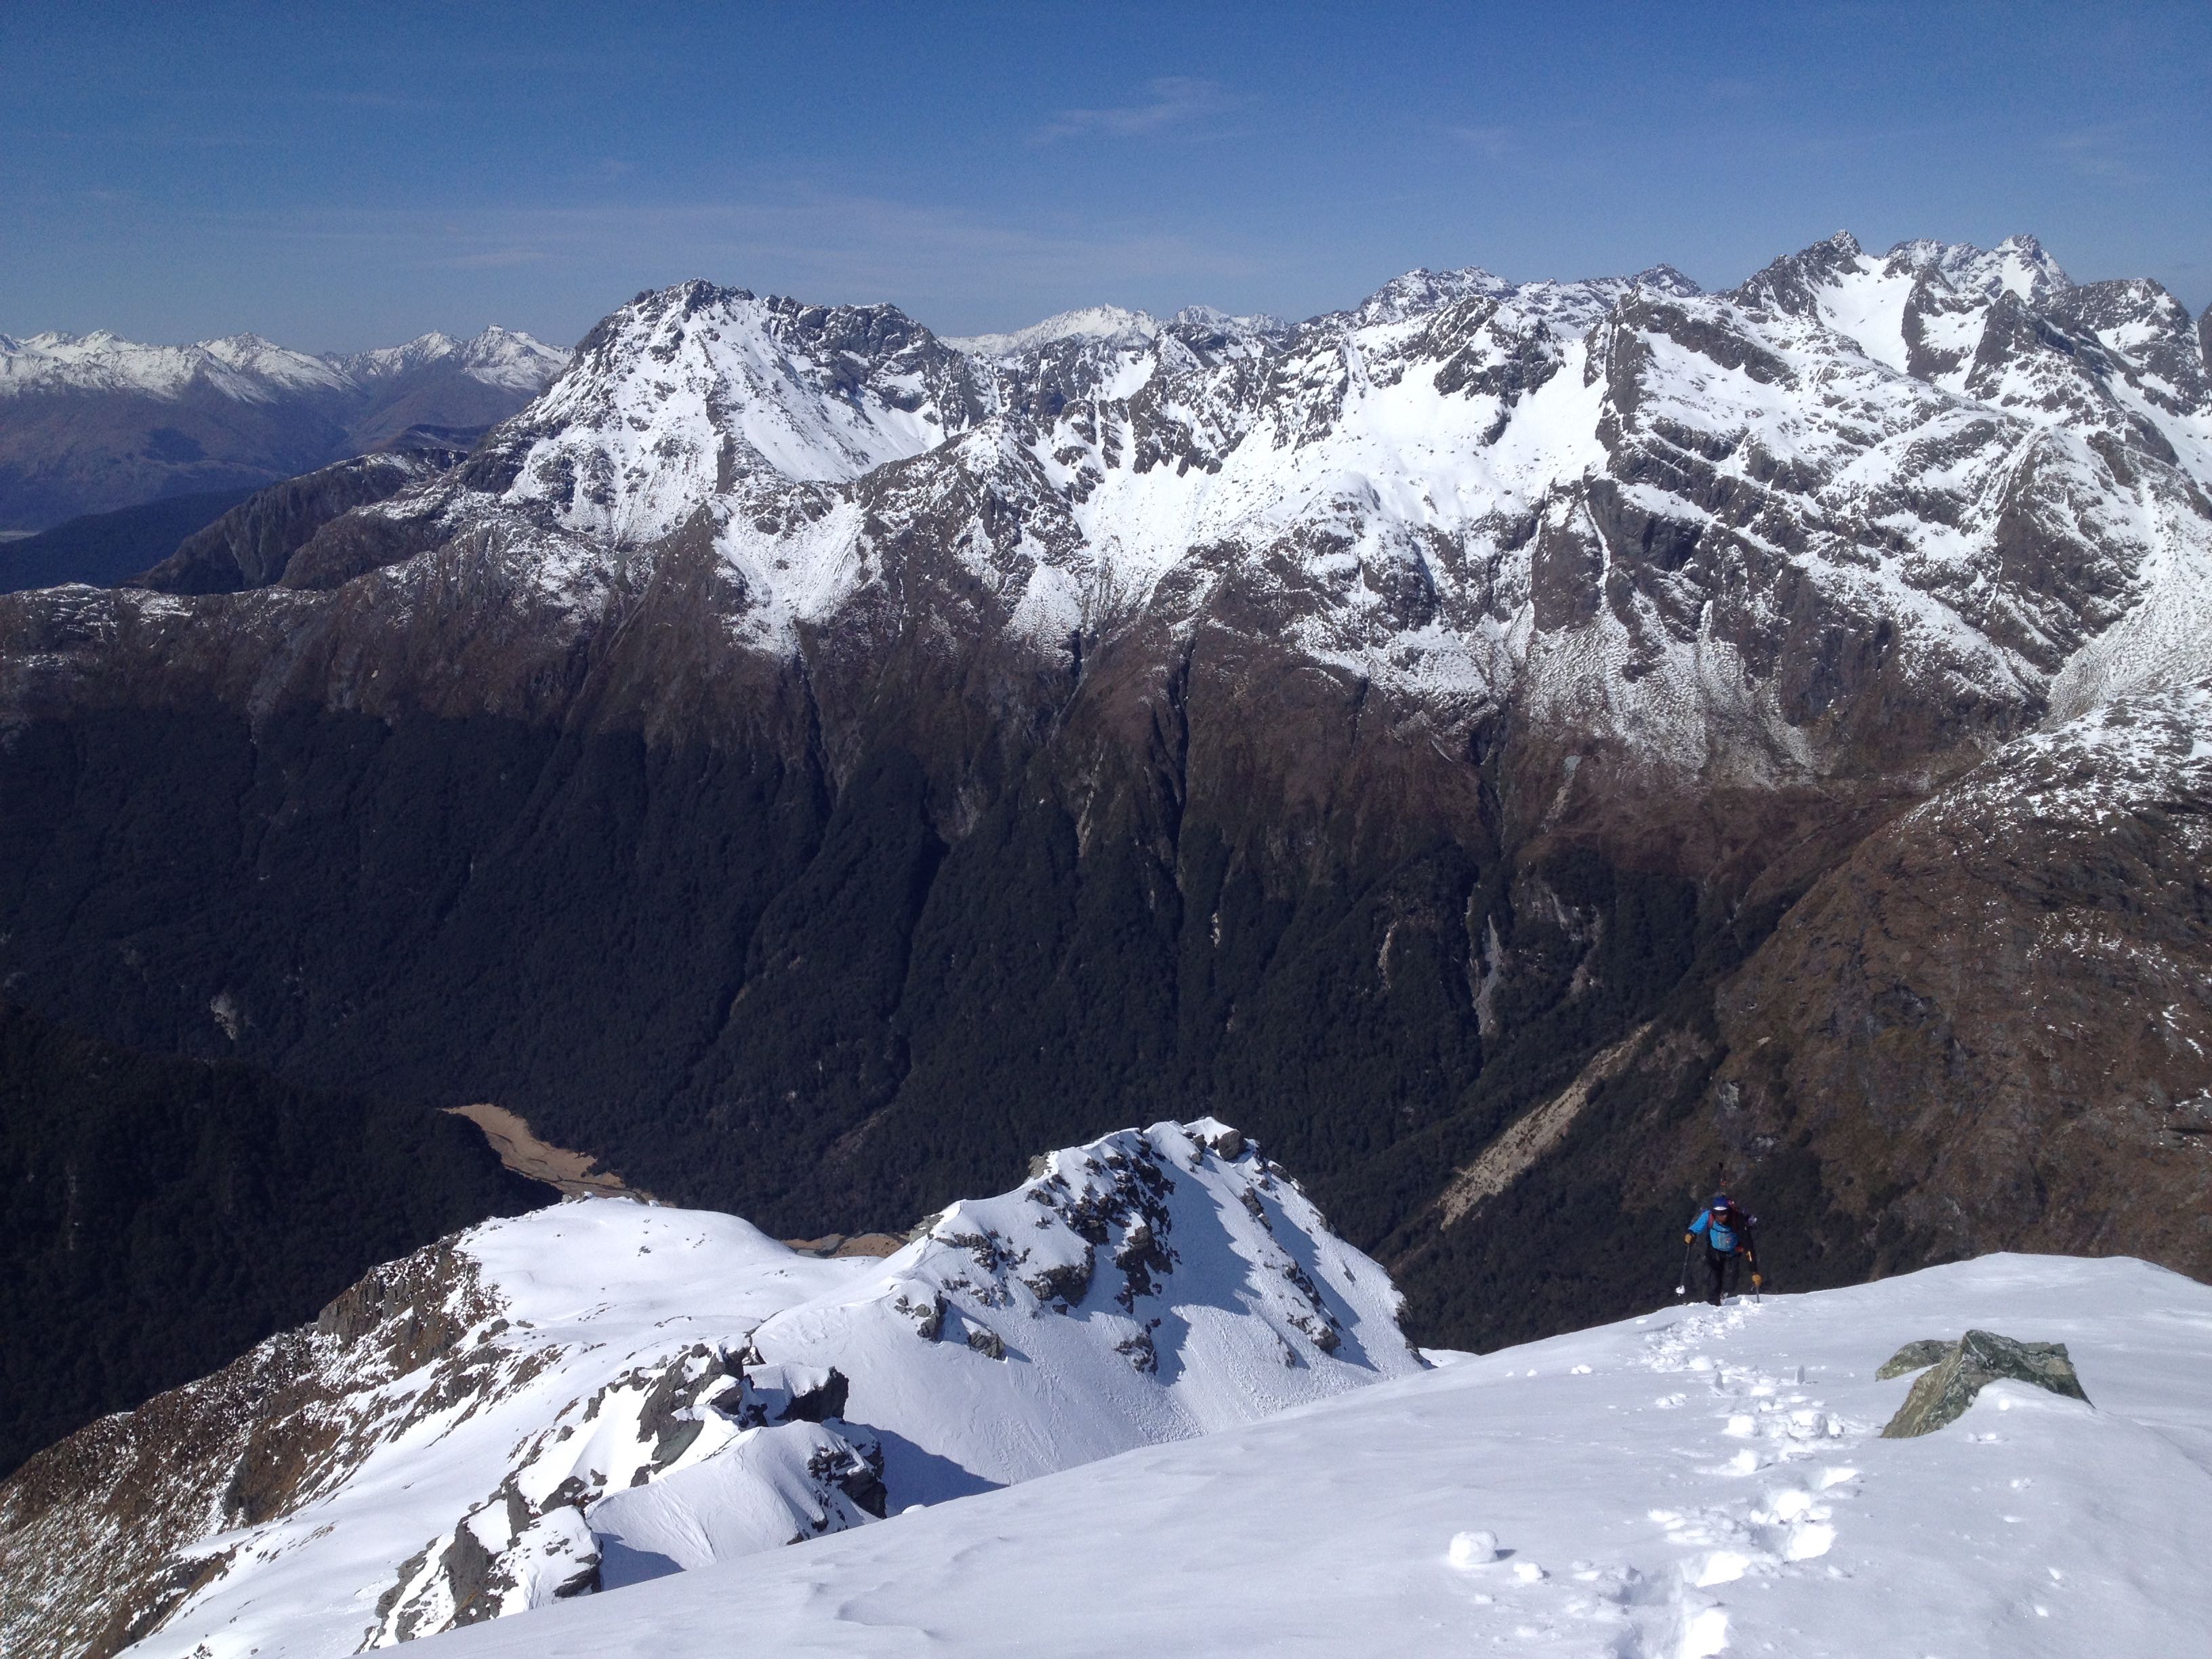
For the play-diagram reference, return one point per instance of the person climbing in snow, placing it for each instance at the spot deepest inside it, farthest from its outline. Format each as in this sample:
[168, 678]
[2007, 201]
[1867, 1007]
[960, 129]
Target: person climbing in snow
[1728, 1234]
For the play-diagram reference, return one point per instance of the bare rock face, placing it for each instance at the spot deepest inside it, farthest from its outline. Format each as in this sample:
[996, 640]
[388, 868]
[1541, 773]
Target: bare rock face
[1913, 1357]
[1966, 1367]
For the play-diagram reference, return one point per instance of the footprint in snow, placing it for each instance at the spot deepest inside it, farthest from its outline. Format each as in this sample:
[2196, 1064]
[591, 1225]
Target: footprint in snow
[1787, 1523]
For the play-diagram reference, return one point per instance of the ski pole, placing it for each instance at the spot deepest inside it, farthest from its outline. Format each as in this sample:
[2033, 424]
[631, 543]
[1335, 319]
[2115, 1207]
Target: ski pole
[1683, 1289]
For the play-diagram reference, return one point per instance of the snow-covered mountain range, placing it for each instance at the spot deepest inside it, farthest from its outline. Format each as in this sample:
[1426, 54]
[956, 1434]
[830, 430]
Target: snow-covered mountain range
[1634, 510]
[606, 1392]
[89, 423]
[251, 369]
[798, 757]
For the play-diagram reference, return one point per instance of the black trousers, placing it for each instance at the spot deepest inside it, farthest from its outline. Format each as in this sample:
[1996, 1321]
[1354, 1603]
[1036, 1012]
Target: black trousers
[1720, 1265]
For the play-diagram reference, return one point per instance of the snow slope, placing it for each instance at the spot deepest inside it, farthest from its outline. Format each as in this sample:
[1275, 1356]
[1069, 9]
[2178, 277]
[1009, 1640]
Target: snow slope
[606, 1392]
[1694, 1483]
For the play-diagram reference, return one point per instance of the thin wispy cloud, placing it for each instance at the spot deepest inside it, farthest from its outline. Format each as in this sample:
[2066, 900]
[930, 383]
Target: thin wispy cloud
[1178, 102]
[2097, 152]
[1496, 142]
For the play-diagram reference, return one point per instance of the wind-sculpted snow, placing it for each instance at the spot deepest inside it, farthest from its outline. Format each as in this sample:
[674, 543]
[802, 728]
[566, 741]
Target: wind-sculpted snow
[605, 1392]
[1694, 1482]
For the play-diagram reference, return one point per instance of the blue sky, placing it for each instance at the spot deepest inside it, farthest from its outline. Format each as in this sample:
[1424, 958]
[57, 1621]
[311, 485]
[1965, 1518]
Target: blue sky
[342, 176]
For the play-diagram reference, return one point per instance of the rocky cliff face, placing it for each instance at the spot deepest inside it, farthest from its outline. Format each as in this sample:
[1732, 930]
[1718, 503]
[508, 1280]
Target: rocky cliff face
[799, 758]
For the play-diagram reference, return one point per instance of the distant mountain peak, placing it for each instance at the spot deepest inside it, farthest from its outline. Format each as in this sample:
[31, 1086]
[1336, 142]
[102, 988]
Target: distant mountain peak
[1212, 317]
[2018, 265]
[1422, 289]
[1665, 279]
[94, 422]
[1109, 323]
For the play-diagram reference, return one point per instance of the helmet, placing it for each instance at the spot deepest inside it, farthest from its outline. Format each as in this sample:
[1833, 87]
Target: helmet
[1721, 1201]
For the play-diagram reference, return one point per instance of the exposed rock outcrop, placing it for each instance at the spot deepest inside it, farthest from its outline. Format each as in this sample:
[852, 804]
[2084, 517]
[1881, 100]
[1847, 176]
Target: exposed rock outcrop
[1969, 1365]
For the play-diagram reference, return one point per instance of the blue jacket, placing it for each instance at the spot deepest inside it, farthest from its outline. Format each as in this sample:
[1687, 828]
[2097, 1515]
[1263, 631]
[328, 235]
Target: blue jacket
[1726, 1239]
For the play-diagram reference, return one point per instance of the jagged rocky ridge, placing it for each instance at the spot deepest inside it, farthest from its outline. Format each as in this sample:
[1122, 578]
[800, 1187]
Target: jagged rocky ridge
[857, 752]
[93, 422]
[252, 544]
[546, 1405]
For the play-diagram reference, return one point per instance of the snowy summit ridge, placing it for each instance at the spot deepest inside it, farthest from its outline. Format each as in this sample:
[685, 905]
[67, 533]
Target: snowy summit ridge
[605, 1392]
[1698, 1482]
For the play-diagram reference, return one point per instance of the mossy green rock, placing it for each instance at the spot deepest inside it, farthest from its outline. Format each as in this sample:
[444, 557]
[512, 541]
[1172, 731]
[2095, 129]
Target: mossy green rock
[1978, 1359]
[1914, 1356]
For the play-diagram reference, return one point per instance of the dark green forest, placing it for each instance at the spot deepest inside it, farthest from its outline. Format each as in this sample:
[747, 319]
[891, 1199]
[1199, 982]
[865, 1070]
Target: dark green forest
[744, 987]
[164, 1215]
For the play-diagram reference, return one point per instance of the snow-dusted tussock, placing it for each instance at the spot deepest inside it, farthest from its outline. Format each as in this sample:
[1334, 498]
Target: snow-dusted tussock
[605, 1392]
[2150, 754]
